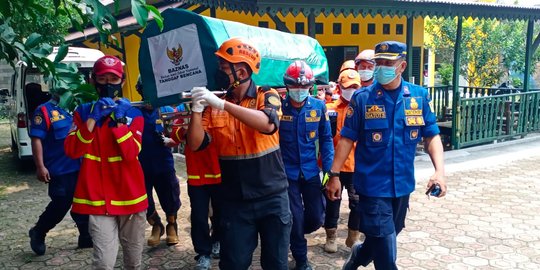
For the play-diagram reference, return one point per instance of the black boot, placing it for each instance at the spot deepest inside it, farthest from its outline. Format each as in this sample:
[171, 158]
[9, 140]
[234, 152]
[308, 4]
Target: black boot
[37, 241]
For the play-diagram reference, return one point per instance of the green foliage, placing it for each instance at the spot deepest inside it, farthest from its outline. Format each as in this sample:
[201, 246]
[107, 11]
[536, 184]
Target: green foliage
[446, 71]
[30, 28]
[490, 48]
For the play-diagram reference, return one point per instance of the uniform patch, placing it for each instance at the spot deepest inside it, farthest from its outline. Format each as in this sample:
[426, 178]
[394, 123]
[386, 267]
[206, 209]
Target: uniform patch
[38, 120]
[350, 112]
[414, 134]
[313, 116]
[312, 134]
[56, 116]
[376, 136]
[274, 100]
[431, 106]
[414, 121]
[375, 112]
[413, 106]
[288, 118]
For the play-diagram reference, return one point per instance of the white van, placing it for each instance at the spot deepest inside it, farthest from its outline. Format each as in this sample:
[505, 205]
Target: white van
[29, 90]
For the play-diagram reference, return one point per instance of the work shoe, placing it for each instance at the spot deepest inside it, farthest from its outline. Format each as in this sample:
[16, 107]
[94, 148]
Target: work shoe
[330, 246]
[85, 242]
[37, 242]
[351, 263]
[303, 266]
[158, 230]
[353, 236]
[203, 263]
[215, 250]
[172, 231]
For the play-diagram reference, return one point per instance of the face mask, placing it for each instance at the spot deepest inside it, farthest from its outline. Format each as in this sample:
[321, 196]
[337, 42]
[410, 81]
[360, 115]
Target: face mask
[365, 74]
[385, 74]
[109, 90]
[298, 94]
[347, 93]
[222, 80]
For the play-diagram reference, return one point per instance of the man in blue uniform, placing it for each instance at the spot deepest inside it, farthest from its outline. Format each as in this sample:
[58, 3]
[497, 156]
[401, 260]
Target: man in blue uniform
[49, 127]
[386, 120]
[158, 166]
[304, 121]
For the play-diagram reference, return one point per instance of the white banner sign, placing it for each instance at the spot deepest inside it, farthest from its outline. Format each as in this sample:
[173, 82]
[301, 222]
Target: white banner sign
[177, 61]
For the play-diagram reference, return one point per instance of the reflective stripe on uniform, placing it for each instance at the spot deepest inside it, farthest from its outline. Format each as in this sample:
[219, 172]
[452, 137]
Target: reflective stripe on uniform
[130, 202]
[193, 177]
[83, 140]
[114, 159]
[92, 157]
[213, 175]
[109, 159]
[88, 202]
[138, 144]
[125, 137]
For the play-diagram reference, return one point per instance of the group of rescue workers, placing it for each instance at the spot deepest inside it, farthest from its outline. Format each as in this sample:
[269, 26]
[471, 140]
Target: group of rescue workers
[264, 166]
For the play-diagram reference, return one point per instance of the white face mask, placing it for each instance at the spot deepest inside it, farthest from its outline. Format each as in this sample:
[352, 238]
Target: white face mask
[365, 74]
[347, 93]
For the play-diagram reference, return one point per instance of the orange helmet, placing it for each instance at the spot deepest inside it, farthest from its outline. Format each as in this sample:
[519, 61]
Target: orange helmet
[349, 64]
[238, 50]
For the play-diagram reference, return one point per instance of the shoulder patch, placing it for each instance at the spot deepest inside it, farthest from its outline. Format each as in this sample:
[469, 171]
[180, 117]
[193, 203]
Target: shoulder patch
[38, 120]
[350, 112]
[274, 100]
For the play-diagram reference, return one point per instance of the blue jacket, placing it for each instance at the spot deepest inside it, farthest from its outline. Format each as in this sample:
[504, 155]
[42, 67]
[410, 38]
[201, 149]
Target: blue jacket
[154, 156]
[51, 124]
[299, 131]
[387, 133]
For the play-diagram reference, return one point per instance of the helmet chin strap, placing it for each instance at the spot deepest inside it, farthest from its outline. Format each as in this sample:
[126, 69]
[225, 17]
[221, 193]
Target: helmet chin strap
[236, 81]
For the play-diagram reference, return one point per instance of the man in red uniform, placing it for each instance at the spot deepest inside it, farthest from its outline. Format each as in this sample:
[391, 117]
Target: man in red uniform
[204, 187]
[107, 135]
[243, 128]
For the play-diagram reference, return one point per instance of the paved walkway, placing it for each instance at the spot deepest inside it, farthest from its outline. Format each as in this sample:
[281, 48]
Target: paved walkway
[489, 220]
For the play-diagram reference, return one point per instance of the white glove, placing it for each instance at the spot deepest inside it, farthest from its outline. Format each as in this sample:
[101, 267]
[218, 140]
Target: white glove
[168, 141]
[198, 105]
[205, 94]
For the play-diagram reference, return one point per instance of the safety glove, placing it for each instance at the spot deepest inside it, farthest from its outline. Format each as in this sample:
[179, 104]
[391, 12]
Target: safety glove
[102, 108]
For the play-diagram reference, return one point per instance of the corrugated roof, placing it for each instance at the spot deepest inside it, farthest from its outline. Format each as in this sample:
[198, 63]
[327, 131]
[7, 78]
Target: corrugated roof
[410, 8]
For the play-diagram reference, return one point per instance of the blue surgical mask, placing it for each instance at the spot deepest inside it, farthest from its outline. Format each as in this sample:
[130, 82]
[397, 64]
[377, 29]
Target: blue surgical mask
[385, 74]
[365, 74]
[298, 94]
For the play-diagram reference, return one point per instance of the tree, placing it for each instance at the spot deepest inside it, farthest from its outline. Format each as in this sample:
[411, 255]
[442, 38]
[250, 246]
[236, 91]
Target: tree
[30, 28]
[490, 49]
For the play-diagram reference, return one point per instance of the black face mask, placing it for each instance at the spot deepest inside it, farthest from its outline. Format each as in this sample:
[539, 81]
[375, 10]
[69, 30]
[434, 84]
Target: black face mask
[109, 90]
[222, 80]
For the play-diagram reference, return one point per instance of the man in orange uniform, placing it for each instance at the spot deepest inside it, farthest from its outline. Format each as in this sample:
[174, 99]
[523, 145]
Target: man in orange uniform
[110, 188]
[204, 187]
[349, 81]
[243, 128]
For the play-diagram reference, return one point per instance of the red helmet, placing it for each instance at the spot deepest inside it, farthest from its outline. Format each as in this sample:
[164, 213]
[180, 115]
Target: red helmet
[298, 74]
